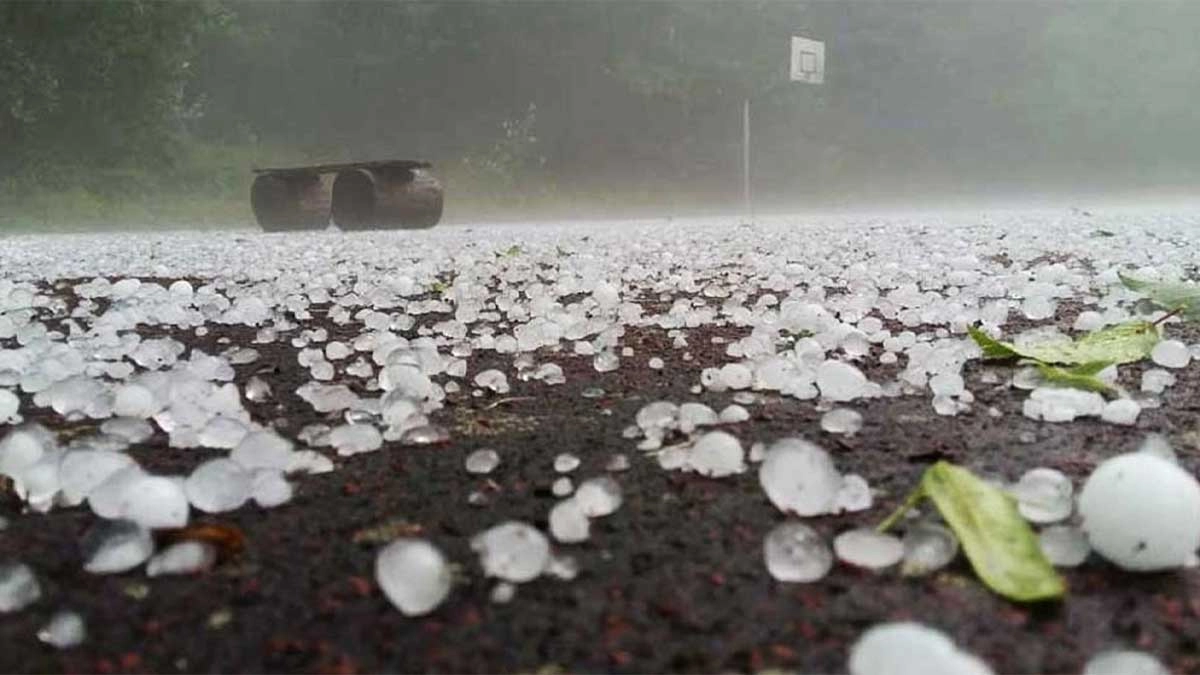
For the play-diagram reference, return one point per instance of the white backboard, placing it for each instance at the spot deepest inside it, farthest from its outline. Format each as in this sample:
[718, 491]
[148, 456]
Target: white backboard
[808, 61]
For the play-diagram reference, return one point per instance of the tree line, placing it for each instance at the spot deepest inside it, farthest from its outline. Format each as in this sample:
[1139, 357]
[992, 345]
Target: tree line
[605, 93]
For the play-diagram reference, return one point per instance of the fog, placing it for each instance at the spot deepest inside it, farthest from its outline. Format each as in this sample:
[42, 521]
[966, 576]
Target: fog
[593, 108]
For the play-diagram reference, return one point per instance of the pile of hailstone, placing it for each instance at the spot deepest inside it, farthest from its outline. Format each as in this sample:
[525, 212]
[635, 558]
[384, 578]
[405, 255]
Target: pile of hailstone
[813, 315]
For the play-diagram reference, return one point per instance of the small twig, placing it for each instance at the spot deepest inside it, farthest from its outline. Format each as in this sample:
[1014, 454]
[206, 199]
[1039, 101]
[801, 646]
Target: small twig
[909, 502]
[1168, 315]
[510, 399]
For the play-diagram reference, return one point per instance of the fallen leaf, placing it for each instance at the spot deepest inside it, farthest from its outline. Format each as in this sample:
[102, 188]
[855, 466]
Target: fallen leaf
[1123, 343]
[1003, 550]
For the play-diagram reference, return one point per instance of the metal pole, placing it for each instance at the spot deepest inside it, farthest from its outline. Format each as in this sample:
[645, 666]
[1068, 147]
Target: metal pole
[746, 158]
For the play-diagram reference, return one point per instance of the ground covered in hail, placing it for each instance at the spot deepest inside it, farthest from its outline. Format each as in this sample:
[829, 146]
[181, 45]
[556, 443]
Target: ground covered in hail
[627, 447]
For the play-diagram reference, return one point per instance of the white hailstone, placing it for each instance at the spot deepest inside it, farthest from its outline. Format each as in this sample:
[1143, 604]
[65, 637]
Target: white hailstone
[240, 356]
[606, 294]
[1156, 380]
[156, 502]
[562, 487]
[315, 435]
[413, 575]
[795, 553]
[563, 567]
[736, 376]
[218, 485]
[9, 405]
[19, 588]
[655, 363]
[906, 647]
[263, 450]
[568, 523]
[503, 593]
[132, 429]
[269, 488]
[733, 414]
[38, 484]
[566, 462]
[758, 452]
[606, 362]
[840, 381]
[550, 373]
[843, 421]
[691, 416]
[223, 432]
[115, 546]
[409, 382]
[493, 380]
[1064, 546]
[928, 547]
[1044, 495]
[64, 630]
[946, 384]
[617, 463]
[310, 462]
[1171, 354]
[1141, 512]
[81, 471]
[716, 455]
[673, 458]
[257, 390]
[1124, 662]
[184, 557]
[425, 434]
[854, 495]
[1027, 378]
[598, 497]
[1038, 307]
[1122, 411]
[336, 351]
[1088, 321]
[659, 415]
[327, 397]
[107, 498]
[322, 370]
[352, 439]
[482, 461]
[799, 477]
[22, 447]
[868, 549]
[512, 551]
[1062, 404]
[360, 368]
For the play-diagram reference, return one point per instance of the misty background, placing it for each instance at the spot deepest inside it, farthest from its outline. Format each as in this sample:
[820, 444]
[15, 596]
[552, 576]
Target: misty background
[148, 111]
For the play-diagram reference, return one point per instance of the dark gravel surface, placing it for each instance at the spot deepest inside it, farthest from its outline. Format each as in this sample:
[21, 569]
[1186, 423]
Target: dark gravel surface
[673, 581]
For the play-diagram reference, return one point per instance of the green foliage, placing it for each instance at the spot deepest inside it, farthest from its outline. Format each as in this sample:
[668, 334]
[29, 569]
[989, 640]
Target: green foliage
[636, 102]
[1181, 298]
[1123, 343]
[1080, 377]
[1002, 548]
[93, 84]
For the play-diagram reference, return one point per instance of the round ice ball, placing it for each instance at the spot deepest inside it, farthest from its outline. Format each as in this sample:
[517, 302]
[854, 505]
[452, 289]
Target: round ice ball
[1141, 512]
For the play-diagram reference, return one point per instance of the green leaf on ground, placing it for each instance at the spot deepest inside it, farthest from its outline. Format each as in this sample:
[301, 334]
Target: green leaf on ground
[1079, 377]
[1175, 297]
[510, 252]
[1123, 343]
[1002, 548]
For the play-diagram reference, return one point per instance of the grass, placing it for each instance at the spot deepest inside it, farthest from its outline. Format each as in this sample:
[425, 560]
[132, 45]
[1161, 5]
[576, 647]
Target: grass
[208, 188]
